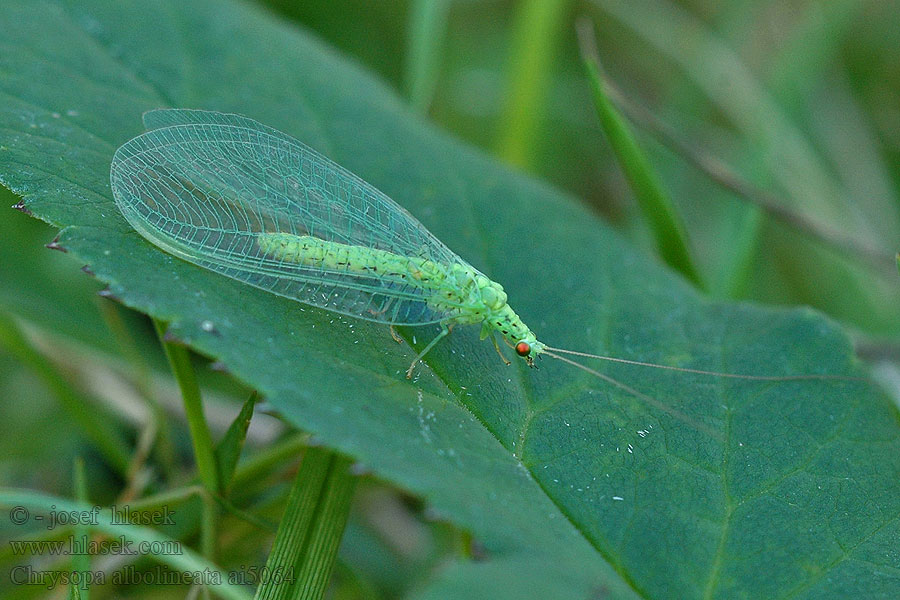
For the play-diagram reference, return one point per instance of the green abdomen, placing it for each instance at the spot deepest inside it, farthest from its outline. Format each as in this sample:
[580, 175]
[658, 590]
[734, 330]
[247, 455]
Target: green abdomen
[344, 258]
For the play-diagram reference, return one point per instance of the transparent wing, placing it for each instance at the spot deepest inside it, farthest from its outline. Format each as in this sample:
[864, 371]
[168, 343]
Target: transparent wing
[203, 186]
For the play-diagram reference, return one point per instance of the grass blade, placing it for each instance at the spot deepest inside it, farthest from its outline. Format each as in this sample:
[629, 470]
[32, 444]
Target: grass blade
[295, 524]
[228, 450]
[325, 538]
[657, 208]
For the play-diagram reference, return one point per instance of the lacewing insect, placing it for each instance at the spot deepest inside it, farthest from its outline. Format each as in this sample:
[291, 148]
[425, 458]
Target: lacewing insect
[232, 195]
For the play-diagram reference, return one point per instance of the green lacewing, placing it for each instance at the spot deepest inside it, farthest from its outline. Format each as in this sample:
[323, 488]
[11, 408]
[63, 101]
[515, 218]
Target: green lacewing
[247, 201]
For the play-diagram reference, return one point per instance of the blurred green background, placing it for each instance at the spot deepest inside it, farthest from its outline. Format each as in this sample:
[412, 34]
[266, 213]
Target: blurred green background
[800, 100]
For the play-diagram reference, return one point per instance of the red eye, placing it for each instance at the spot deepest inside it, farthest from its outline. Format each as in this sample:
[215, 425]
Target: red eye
[523, 348]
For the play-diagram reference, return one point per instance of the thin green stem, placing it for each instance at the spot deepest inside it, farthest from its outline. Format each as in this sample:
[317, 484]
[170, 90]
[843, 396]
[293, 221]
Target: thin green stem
[204, 453]
[180, 361]
[169, 497]
[263, 461]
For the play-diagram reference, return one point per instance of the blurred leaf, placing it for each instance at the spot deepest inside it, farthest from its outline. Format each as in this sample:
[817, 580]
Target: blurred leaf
[536, 36]
[427, 30]
[573, 487]
[29, 405]
[96, 423]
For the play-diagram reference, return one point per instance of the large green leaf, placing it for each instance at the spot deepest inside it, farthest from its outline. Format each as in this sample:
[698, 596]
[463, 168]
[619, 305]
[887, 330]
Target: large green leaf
[576, 488]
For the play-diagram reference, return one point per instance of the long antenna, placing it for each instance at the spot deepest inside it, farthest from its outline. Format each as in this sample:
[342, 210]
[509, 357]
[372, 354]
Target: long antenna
[649, 400]
[701, 371]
